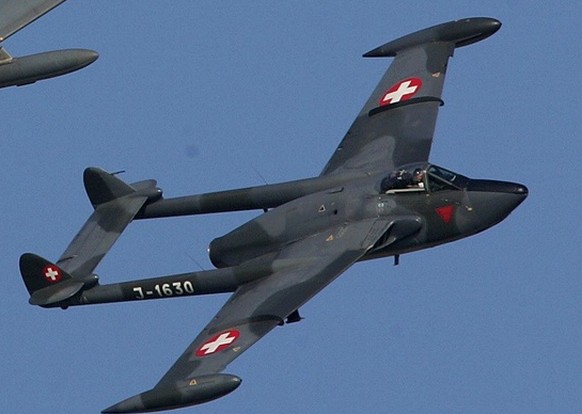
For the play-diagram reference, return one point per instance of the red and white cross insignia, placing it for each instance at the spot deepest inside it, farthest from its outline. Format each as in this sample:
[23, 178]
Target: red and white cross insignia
[52, 273]
[218, 343]
[401, 91]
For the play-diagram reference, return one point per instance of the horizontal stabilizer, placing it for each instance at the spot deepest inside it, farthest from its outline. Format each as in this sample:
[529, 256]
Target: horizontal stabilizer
[52, 295]
[116, 204]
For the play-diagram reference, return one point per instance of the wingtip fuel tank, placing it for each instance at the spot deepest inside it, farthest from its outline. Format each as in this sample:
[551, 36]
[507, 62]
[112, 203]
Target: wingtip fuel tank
[24, 70]
[460, 33]
[196, 391]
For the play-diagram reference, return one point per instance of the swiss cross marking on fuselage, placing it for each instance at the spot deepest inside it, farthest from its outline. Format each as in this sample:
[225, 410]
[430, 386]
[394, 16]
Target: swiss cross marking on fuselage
[52, 273]
[401, 91]
[218, 343]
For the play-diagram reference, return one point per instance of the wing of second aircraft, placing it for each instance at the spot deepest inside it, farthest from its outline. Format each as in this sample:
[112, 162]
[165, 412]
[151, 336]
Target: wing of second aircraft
[16, 14]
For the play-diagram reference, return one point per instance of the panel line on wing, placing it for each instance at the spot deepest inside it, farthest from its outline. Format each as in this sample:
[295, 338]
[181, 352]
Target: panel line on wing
[411, 101]
[245, 321]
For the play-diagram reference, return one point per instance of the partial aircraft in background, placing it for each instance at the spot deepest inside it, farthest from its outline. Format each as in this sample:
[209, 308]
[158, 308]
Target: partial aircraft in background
[377, 196]
[18, 71]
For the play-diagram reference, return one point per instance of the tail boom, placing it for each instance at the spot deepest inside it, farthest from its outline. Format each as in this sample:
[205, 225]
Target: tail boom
[68, 291]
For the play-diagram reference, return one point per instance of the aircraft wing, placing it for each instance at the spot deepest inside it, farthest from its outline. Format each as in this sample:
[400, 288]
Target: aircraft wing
[16, 14]
[24, 70]
[397, 123]
[305, 268]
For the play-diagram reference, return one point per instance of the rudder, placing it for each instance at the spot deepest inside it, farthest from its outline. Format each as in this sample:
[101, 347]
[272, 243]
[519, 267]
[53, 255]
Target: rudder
[46, 282]
[102, 186]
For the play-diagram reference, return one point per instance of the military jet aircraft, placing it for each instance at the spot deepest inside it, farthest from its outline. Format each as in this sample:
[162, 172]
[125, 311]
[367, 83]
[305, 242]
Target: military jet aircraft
[377, 196]
[18, 71]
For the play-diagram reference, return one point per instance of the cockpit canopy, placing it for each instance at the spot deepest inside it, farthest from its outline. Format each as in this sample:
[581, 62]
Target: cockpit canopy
[422, 177]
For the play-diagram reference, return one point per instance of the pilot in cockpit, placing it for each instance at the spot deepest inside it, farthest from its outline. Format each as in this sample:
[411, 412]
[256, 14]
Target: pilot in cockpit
[403, 179]
[418, 178]
[397, 180]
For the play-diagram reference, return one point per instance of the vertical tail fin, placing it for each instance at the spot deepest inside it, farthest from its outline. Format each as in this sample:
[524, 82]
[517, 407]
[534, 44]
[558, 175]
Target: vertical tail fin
[46, 282]
[102, 187]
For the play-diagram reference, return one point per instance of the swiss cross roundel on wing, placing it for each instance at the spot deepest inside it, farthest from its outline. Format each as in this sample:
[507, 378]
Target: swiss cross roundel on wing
[401, 91]
[218, 343]
[52, 273]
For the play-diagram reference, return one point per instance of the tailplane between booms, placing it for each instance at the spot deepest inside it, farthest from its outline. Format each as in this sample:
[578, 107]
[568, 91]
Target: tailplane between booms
[116, 204]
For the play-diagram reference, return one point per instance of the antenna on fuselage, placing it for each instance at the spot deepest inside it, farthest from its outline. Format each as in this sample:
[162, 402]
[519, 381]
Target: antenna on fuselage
[195, 261]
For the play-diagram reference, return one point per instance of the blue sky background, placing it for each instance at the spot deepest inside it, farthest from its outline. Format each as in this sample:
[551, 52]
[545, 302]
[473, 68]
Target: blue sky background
[205, 96]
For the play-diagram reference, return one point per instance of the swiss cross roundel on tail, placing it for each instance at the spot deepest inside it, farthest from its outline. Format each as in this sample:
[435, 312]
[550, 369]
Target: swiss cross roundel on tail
[52, 273]
[218, 343]
[401, 91]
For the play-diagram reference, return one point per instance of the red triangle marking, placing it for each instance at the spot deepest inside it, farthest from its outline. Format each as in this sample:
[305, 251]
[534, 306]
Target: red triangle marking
[446, 213]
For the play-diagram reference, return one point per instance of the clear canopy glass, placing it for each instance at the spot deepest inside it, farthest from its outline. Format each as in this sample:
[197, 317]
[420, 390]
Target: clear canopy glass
[422, 177]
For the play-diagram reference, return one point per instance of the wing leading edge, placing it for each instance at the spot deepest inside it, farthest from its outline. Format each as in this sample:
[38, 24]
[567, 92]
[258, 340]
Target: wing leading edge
[396, 125]
[304, 268]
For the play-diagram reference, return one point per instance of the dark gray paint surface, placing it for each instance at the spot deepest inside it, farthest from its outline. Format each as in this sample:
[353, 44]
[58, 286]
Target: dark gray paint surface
[315, 228]
[18, 71]
[16, 14]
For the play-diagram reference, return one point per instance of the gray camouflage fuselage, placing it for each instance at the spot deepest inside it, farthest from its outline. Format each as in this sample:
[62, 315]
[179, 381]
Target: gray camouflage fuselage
[471, 210]
[248, 252]
[377, 196]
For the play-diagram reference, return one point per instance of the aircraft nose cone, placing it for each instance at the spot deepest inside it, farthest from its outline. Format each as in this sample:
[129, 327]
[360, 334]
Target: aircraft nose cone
[491, 186]
[521, 189]
[491, 202]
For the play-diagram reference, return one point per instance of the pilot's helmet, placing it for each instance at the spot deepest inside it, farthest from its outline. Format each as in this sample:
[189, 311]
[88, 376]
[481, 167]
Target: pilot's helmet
[418, 172]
